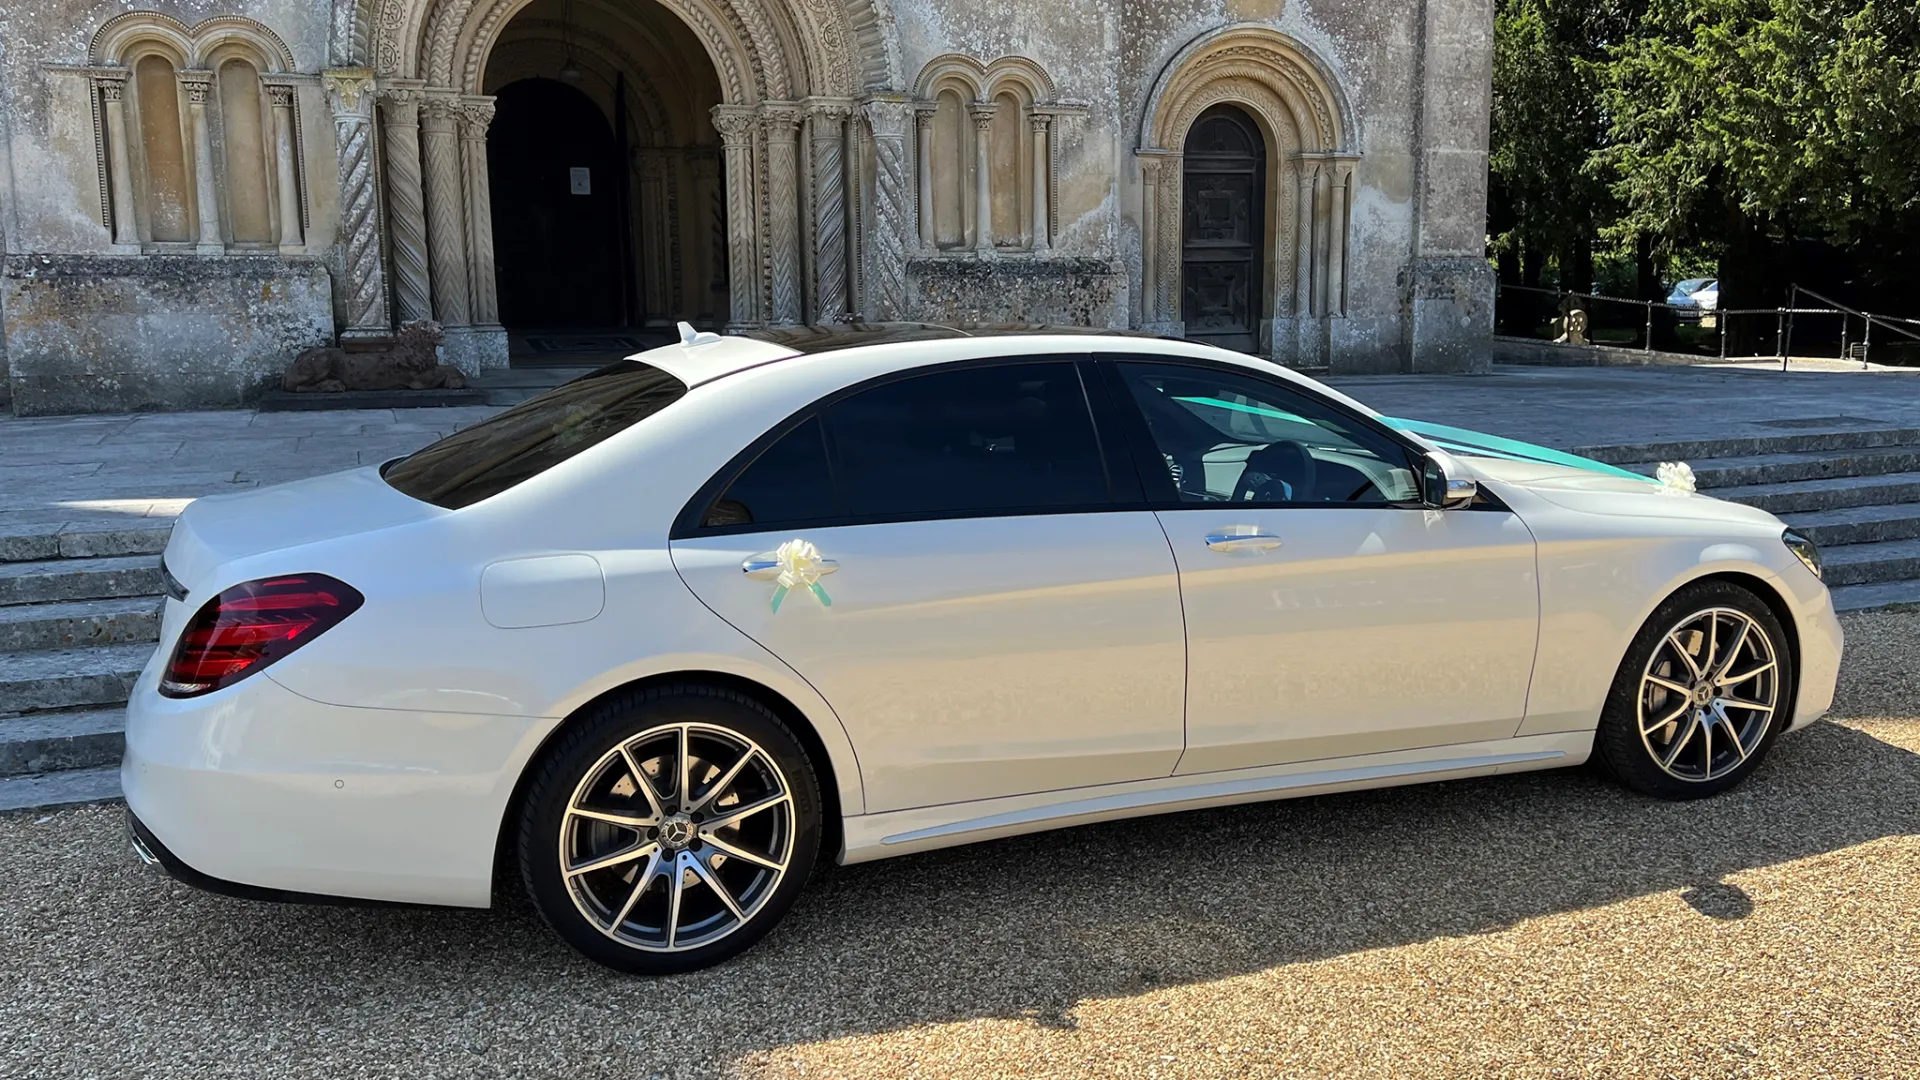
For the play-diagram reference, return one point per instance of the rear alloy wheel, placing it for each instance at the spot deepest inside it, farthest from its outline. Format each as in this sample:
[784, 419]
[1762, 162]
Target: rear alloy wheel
[1700, 696]
[669, 833]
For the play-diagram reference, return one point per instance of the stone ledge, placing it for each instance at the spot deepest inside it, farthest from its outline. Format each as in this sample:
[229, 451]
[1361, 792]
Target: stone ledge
[1532, 352]
[285, 401]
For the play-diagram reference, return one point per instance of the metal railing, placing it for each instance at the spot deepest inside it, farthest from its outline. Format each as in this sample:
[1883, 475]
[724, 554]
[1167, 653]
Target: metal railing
[1783, 317]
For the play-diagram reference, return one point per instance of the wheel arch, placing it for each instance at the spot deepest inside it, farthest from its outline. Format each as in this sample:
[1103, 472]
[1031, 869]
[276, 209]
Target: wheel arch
[832, 837]
[1770, 595]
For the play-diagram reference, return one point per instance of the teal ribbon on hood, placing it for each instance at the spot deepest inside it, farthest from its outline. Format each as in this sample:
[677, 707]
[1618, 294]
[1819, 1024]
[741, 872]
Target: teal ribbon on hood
[1479, 443]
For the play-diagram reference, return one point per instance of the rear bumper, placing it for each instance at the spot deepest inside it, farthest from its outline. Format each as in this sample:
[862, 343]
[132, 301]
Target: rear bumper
[257, 791]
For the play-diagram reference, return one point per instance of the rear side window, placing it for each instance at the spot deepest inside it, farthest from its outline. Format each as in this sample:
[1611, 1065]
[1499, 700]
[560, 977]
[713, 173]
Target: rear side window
[534, 436]
[968, 441]
[788, 482]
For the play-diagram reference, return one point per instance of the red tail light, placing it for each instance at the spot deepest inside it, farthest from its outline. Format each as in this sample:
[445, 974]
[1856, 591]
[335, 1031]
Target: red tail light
[252, 625]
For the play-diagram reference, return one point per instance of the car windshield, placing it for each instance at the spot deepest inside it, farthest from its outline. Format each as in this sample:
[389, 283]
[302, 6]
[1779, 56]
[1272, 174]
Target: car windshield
[534, 436]
[1692, 285]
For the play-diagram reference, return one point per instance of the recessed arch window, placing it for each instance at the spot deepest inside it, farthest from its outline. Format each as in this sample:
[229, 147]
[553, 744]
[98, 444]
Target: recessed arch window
[986, 173]
[1010, 186]
[952, 166]
[165, 179]
[245, 133]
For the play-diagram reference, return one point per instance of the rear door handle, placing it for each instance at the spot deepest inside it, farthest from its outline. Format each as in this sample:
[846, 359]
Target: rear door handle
[1247, 541]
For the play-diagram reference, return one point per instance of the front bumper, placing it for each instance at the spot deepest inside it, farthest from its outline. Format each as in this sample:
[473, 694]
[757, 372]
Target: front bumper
[257, 791]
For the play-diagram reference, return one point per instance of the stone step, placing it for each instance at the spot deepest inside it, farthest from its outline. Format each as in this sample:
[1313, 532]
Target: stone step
[1866, 564]
[1835, 493]
[28, 543]
[1858, 524]
[1695, 450]
[1876, 595]
[51, 580]
[77, 623]
[70, 787]
[69, 678]
[50, 741]
[1717, 473]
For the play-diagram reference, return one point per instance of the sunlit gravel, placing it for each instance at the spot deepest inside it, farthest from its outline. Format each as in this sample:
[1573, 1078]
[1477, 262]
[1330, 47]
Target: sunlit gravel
[1541, 926]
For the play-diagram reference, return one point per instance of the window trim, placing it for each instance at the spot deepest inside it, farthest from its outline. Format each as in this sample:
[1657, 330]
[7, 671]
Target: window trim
[1146, 453]
[1122, 496]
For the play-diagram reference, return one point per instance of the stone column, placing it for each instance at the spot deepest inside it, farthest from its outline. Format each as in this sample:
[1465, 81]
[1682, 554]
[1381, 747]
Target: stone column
[781, 122]
[406, 206]
[197, 86]
[656, 290]
[121, 214]
[1322, 230]
[1149, 239]
[923, 129]
[982, 113]
[1303, 241]
[286, 176]
[827, 120]
[1042, 227]
[889, 119]
[446, 217]
[361, 287]
[483, 298]
[1341, 178]
[709, 220]
[735, 124]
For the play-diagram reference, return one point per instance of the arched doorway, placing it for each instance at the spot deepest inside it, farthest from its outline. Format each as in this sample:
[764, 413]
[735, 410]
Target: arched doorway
[1223, 231]
[555, 171]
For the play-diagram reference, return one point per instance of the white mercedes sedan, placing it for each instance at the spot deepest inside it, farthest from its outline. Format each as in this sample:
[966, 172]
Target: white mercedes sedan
[664, 638]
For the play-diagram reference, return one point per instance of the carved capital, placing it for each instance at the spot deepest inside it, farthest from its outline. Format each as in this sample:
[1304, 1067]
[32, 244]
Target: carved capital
[890, 117]
[437, 112]
[983, 113]
[196, 85]
[735, 124]
[401, 105]
[348, 89]
[780, 117]
[827, 110]
[476, 115]
[111, 87]
[1039, 122]
[280, 96]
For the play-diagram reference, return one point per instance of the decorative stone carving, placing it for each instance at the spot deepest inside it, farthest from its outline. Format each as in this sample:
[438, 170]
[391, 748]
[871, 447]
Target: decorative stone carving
[406, 204]
[828, 146]
[736, 125]
[446, 224]
[362, 282]
[1307, 178]
[1041, 124]
[889, 120]
[923, 114]
[412, 362]
[983, 113]
[483, 301]
[781, 121]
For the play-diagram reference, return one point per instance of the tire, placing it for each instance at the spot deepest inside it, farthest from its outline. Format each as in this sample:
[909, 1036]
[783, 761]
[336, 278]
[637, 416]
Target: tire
[614, 896]
[1673, 726]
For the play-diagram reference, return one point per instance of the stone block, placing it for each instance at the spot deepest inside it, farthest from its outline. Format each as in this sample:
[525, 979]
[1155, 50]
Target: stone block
[1451, 308]
[1018, 289]
[93, 333]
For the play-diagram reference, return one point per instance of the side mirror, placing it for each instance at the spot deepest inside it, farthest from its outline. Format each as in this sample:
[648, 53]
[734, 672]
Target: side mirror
[1444, 485]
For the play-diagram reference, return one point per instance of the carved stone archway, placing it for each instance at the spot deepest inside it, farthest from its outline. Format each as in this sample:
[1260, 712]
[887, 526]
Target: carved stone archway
[806, 239]
[1310, 132]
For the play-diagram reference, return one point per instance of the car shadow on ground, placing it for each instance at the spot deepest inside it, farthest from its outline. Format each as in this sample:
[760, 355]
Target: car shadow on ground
[1029, 927]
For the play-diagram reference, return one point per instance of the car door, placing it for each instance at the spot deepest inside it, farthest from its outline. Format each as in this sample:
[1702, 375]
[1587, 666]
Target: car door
[973, 582]
[1328, 613]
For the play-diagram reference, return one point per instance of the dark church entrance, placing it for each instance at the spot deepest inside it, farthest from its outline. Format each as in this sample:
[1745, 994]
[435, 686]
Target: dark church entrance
[1223, 231]
[559, 216]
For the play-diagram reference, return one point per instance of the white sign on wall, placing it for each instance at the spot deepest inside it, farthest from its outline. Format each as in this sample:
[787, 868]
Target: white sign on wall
[582, 179]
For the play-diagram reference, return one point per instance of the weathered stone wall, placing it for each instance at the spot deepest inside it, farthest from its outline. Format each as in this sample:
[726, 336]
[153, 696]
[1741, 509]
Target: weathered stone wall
[113, 333]
[1060, 291]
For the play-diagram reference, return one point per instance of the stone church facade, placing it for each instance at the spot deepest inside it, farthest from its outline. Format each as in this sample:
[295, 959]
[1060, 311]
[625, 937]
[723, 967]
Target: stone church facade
[197, 191]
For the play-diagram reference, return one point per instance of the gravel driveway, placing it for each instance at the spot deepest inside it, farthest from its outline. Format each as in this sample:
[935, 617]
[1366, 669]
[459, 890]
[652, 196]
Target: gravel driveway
[1542, 925]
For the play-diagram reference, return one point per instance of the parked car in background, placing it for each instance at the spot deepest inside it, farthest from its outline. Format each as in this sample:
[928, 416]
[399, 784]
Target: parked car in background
[1686, 297]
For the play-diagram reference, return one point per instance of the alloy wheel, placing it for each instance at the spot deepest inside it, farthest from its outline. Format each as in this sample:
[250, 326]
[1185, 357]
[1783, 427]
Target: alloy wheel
[1709, 694]
[677, 837]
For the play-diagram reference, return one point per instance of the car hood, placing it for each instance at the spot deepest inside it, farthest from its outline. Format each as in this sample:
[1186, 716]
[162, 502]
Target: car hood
[1575, 482]
[222, 528]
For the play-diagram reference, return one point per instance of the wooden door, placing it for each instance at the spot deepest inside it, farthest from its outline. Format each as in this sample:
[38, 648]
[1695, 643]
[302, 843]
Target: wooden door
[1223, 230]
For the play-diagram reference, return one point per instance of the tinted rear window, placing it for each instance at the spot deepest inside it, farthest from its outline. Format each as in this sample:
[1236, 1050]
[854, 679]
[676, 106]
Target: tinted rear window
[534, 436]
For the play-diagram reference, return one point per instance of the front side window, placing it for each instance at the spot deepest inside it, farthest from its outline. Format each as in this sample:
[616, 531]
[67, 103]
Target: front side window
[534, 436]
[968, 441]
[1229, 438]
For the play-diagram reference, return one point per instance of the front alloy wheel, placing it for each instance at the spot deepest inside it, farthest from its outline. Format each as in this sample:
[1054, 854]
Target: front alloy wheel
[668, 831]
[1702, 691]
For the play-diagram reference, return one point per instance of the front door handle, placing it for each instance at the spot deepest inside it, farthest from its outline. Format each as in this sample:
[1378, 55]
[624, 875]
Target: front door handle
[1243, 541]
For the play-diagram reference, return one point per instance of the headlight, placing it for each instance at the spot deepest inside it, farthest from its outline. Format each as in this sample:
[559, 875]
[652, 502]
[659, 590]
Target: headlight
[1803, 549]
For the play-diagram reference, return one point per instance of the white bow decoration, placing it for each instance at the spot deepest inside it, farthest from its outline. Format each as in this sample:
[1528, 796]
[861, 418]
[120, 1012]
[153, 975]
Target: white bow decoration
[800, 566]
[1675, 476]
